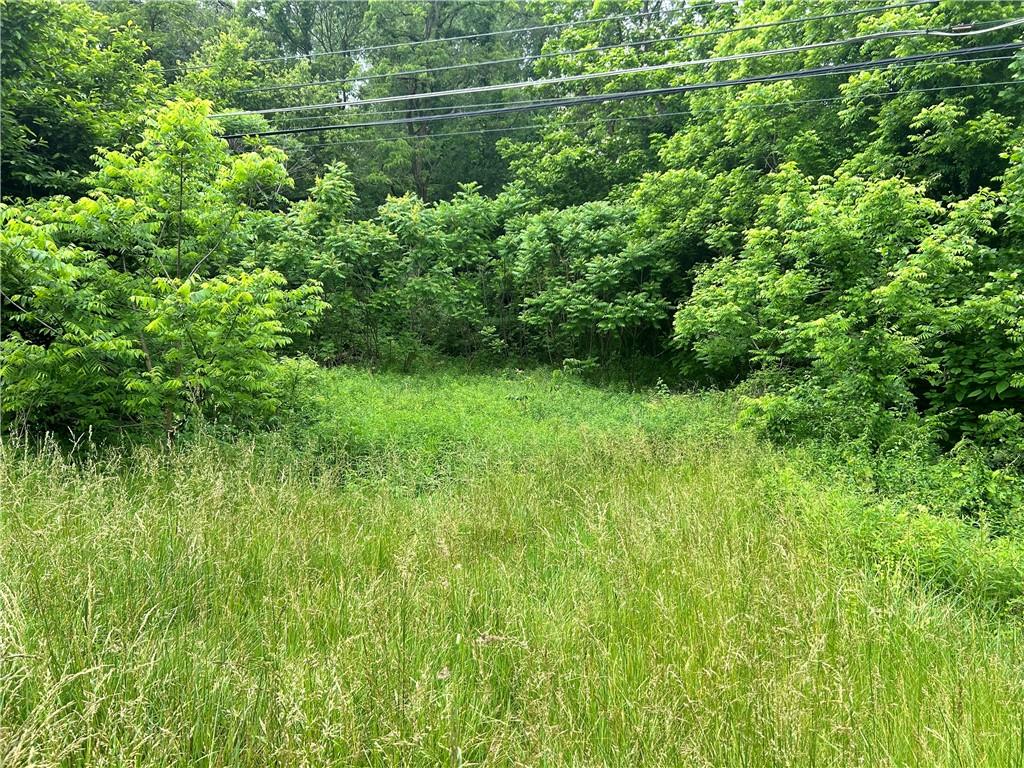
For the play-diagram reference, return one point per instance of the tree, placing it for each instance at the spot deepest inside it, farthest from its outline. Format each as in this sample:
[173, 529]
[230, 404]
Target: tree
[71, 83]
[130, 306]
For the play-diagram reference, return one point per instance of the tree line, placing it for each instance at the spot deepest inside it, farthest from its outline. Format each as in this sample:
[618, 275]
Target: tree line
[845, 249]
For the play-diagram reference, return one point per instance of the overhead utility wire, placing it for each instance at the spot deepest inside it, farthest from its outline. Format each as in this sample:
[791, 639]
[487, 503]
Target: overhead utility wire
[893, 64]
[406, 110]
[596, 49]
[653, 115]
[541, 102]
[665, 91]
[473, 36]
[949, 32]
[894, 68]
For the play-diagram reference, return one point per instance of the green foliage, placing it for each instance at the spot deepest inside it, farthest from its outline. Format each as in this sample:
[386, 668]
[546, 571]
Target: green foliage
[316, 240]
[585, 290]
[173, 29]
[216, 341]
[72, 82]
[446, 278]
[67, 329]
[474, 276]
[867, 301]
[1013, 187]
[132, 306]
[223, 66]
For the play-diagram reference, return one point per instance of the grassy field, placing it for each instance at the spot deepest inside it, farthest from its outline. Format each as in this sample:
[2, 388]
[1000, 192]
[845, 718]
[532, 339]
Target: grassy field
[478, 570]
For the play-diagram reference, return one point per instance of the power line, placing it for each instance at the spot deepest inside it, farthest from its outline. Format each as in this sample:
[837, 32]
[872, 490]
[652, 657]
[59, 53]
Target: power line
[596, 49]
[632, 70]
[964, 31]
[473, 36]
[405, 110]
[896, 67]
[669, 90]
[542, 102]
[658, 115]
[897, 64]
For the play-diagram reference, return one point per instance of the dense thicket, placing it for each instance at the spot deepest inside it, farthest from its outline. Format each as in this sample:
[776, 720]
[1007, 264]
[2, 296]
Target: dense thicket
[149, 295]
[846, 248]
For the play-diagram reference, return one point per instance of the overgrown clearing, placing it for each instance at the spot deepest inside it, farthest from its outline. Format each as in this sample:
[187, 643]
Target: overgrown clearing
[510, 569]
[231, 534]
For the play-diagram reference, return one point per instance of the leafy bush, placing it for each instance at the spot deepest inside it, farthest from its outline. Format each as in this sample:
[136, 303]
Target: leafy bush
[131, 307]
[72, 80]
[584, 288]
[856, 303]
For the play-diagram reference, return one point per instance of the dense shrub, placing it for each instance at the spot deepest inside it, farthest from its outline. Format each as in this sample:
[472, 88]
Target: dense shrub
[583, 288]
[858, 302]
[131, 306]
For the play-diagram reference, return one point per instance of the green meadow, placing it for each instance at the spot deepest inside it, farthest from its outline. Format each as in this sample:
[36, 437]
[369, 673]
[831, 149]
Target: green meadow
[464, 569]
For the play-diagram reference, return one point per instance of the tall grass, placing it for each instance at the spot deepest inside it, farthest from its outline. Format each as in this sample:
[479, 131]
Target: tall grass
[476, 571]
